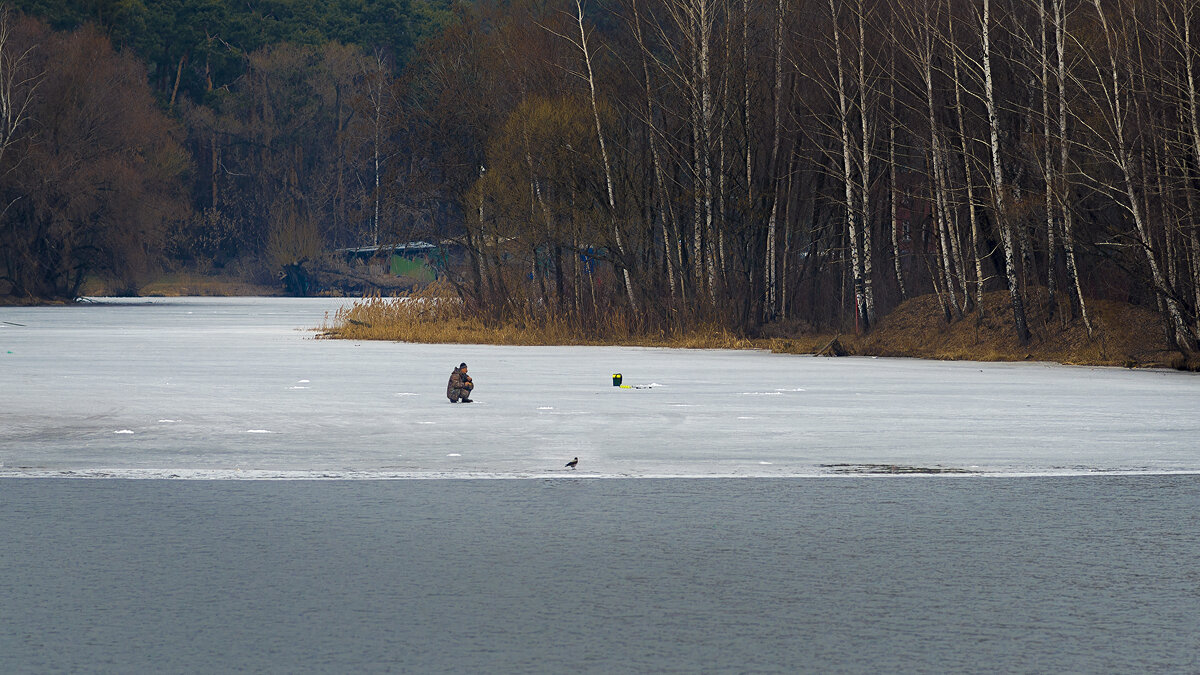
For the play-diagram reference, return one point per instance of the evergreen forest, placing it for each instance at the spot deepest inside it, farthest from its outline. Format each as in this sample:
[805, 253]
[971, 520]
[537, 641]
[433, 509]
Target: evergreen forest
[796, 164]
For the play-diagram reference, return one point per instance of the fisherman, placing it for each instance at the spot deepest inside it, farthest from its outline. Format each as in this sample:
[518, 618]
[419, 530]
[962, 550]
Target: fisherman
[460, 385]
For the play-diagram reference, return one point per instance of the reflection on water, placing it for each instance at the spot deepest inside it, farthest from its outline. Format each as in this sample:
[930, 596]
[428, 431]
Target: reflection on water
[879, 574]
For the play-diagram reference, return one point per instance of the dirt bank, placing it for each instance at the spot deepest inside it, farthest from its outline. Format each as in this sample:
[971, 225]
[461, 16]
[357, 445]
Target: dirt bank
[1122, 334]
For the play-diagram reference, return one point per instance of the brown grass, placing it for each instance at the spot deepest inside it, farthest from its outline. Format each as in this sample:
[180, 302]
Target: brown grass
[183, 284]
[1123, 335]
[435, 315]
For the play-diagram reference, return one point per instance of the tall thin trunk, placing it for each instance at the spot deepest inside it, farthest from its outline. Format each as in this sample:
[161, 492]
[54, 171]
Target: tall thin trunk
[721, 222]
[945, 222]
[936, 175]
[375, 215]
[1060, 30]
[697, 173]
[660, 196]
[1006, 233]
[608, 179]
[787, 239]
[969, 181]
[1194, 122]
[748, 150]
[178, 77]
[1180, 334]
[214, 174]
[893, 190]
[1047, 164]
[770, 303]
[865, 169]
[860, 315]
[706, 118]
[17, 85]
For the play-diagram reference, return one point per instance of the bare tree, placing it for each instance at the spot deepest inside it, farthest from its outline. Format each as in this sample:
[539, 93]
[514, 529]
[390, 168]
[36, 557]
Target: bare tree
[968, 179]
[589, 76]
[1062, 186]
[771, 274]
[1115, 108]
[999, 202]
[860, 303]
[18, 82]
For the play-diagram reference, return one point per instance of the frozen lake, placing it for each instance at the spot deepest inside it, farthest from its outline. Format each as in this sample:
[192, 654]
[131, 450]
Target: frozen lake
[240, 387]
[709, 527]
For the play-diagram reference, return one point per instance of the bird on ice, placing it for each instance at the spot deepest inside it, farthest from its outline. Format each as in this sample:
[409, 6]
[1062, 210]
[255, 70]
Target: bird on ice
[571, 464]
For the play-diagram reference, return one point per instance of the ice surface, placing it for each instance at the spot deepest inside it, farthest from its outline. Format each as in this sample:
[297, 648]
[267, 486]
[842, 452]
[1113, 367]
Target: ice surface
[241, 387]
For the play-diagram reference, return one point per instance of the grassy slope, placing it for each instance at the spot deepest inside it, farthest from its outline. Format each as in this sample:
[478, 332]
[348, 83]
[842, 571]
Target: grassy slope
[1122, 335]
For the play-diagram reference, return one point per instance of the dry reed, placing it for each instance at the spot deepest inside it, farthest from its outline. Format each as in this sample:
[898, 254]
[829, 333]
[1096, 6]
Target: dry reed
[1124, 335]
[435, 315]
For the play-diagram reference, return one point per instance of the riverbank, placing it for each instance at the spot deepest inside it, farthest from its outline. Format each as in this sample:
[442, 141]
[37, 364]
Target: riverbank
[1121, 334]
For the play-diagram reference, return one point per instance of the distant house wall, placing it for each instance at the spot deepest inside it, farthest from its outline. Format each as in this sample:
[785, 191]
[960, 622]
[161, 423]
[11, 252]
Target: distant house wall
[417, 260]
[418, 268]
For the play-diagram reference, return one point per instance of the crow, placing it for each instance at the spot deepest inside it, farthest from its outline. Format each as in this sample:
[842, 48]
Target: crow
[572, 463]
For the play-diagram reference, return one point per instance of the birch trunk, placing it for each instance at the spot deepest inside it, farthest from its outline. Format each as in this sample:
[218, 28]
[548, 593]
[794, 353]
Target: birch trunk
[17, 87]
[705, 18]
[1047, 164]
[1060, 36]
[1006, 233]
[944, 222]
[893, 191]
[1180, 334]
[660, 196]
[1194, 128]
[969, 181]
[865, 169]
[770, 302]
[608, 179]
[848, 176]
[940, 209]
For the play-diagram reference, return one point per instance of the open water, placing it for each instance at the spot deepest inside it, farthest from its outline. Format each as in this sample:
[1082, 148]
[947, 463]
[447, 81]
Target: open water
[1053, 574]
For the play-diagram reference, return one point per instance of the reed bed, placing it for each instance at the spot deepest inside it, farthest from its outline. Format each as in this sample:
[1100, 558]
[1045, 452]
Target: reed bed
[1123, 335]
[434, 315]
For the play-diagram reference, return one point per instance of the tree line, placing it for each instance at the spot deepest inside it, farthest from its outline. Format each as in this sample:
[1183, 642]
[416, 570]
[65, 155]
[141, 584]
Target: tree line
[196, 134]
[806, 163]
[819, 161]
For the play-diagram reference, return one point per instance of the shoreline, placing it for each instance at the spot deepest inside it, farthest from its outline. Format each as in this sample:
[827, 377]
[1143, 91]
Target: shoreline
[1124, 336]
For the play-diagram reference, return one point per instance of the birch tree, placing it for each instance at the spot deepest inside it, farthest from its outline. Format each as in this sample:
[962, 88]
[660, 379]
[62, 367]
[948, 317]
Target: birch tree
[589, 76]
[843, 116]
[1062, 185]
[18, 82]
[1114, 107]
[999, 202]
